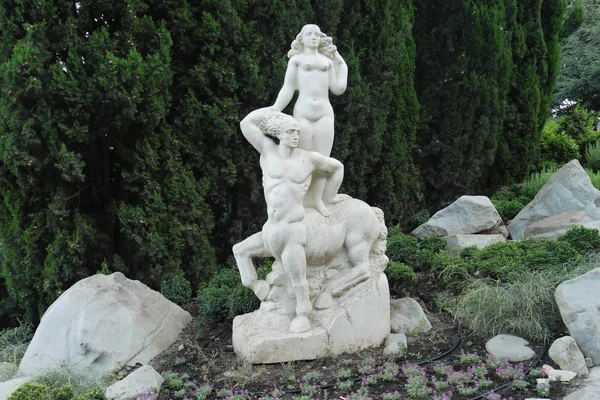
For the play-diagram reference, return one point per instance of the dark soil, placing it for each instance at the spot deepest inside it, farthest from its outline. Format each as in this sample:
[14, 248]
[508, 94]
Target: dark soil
[204, 352]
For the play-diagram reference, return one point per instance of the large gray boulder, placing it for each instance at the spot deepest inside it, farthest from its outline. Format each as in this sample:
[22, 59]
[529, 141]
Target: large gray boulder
[103, 323]
[407, 316]
[590, 388]
[568, 190]
[551, 228]
[578, 301]
[467, 215]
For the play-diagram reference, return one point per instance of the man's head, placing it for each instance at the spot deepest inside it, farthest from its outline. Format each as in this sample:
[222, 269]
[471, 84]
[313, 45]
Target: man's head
[282, 127]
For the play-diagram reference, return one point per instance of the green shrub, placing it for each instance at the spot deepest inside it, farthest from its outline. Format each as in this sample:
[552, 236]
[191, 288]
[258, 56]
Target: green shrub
[97, 393]
[30, 391]
[508, 261]
[224, 297]
[535, 182]
[509, 202]
[594, 177]
[592, 156]
[417, 219]
[433, 244]
[556, 146]
[400, 276]
[177, 289]
[62, 393]
[403, 249]
[582, 239]
[241, 301]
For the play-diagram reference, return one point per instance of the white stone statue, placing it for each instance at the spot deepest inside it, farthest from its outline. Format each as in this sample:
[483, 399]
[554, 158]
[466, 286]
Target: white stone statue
[287, 174]
[314, 69]
[327, 291]
[334, 263]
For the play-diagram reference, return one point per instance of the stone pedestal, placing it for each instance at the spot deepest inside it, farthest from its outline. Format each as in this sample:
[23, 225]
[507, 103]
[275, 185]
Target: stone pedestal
[359, 320]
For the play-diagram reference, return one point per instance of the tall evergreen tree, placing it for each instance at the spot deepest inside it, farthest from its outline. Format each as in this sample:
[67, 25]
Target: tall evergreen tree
[376, 119]
[463, 71]
[535, 27]
[579, 77]
[82, 176]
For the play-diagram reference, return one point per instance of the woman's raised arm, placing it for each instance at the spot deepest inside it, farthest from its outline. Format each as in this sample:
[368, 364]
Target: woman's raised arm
[338, 75]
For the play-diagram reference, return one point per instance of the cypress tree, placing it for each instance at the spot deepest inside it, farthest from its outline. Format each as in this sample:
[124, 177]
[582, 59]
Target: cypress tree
[535, 27]
[462, 76]
[90, 173]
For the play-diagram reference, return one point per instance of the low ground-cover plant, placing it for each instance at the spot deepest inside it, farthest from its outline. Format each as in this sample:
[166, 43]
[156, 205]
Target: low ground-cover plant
[509, 201]
[418, 254]
[507, 261]
[582, 239]
[38, 391]
[177, 289]
[224, 296]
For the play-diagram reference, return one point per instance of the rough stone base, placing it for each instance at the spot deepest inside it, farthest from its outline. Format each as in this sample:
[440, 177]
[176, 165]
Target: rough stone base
[360, 319]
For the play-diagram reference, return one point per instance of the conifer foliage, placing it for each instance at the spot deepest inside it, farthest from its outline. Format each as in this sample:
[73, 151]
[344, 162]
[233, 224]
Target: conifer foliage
[485, 75]
[90, 172]
[120, 148]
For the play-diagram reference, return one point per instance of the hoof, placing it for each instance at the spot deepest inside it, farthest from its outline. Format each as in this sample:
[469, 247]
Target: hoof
[300, 324]
[261, 289]
[323, 301]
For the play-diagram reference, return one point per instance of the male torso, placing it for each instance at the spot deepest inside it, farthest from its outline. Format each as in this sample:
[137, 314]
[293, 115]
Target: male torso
[285, 182]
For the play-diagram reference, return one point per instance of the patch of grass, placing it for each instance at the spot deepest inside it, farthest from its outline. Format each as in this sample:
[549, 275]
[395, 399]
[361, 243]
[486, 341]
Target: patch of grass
[536, 181]
[592, 156]
[594, 177]
[14, 342]
[524, 307]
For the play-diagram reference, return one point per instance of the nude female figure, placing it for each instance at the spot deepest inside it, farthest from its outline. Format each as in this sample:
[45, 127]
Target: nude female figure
[315, 68]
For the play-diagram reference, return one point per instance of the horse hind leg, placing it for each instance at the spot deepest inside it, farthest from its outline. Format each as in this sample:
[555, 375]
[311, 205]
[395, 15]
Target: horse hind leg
[359, 272]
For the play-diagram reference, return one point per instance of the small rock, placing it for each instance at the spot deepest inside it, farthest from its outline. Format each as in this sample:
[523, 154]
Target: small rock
[395, 344]
[510, 347]
[542, 381]
[558, 374]
[407, 316]
[589, 362]
[8, 387]
[142, 380]
[458, 242]
[566, 354]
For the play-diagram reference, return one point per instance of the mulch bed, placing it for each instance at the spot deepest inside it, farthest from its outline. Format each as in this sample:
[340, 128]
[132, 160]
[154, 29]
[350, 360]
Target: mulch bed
[204, 353]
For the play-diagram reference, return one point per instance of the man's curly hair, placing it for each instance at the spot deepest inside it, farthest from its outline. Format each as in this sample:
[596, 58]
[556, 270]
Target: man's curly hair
[271, 123]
